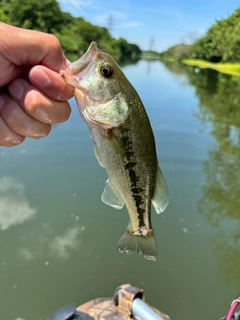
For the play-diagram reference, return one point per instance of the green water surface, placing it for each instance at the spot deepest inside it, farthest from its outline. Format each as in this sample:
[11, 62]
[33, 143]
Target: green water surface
[58, 240]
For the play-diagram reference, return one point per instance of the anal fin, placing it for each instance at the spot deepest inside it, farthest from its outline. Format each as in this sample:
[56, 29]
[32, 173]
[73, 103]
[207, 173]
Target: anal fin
[111, 197]
[160, 198]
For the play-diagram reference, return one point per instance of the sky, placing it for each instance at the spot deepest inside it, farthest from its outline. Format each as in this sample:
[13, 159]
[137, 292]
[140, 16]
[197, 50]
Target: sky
[152, 24]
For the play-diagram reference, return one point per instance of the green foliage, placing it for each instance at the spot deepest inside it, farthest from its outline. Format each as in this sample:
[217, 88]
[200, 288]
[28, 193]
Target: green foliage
[228, 68]
[87, 32]
[74, 34]
[43, 15]
[221, 42]
[151, 55]
[177, 52]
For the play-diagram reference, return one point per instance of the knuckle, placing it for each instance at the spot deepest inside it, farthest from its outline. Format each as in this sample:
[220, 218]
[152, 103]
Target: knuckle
[55, 44]
[11, 116]
[32, 101]
[10, 112]
[16, 88]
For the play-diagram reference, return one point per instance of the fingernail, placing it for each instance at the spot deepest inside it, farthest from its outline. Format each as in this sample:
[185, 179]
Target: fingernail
[2, 101]
[16, 89]
[40, 77]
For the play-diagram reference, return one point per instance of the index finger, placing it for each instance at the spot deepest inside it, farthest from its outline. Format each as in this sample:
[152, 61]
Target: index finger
[28, 47]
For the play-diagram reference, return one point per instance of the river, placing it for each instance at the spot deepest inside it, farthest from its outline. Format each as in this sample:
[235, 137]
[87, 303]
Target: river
[58, 240]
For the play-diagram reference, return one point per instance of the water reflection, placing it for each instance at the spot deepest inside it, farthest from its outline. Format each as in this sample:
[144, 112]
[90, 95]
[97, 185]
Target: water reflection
[63, 245]
[14, 206]
[197, 237]
[26, 254]
[219, 97]
[60, 246]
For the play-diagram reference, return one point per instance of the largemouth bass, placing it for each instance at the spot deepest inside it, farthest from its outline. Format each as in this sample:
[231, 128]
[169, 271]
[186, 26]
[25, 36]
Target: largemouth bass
[123, 143]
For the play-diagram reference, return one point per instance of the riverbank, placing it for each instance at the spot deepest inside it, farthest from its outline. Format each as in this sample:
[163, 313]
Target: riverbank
[228, 68]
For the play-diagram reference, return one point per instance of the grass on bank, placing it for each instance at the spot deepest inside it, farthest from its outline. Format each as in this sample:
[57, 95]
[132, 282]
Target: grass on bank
[229, 68]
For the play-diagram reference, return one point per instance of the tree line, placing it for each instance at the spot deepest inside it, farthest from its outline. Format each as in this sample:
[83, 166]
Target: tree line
[74, 34]
[221, 43]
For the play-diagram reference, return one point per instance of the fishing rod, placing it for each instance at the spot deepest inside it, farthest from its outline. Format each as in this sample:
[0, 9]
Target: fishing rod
[231, 315]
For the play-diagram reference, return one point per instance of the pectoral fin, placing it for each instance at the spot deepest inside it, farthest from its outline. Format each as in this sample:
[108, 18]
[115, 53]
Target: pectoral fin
[160, 198]
[116, 144]
[111, 197]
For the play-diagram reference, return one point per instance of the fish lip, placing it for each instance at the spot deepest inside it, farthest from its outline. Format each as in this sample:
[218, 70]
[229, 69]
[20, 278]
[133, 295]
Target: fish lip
[79, 68]
[82, 63]
[75, 74]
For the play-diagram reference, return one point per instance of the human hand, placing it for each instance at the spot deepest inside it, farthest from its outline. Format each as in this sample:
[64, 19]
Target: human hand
[33, 95]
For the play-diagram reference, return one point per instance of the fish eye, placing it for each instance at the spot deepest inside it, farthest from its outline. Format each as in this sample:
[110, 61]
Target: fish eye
[106, 71]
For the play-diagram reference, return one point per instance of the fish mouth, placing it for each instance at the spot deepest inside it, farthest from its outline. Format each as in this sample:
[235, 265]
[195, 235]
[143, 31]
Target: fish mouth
[83, 66]
[89, 108]
[82, 63]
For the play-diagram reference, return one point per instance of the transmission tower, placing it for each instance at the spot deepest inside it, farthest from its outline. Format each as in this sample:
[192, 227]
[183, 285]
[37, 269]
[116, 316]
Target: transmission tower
[110, 22]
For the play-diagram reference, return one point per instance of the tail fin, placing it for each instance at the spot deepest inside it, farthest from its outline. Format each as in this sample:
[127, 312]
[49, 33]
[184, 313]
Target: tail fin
[145, 245]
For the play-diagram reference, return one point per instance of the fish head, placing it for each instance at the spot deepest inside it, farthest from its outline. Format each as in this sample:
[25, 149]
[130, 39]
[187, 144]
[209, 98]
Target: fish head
[99, 88]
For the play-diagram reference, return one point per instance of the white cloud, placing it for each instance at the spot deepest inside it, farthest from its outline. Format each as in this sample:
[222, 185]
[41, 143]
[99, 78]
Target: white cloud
[77, 3]
[76, 7]
[14, 206]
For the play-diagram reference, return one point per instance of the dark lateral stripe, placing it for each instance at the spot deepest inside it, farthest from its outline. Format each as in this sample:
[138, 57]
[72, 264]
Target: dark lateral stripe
[129, 165]
[133, 177]
[136, 194]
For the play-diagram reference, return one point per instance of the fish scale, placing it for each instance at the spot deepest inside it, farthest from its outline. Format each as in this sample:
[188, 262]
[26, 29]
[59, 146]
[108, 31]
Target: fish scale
[123, 143]
[137, 171]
